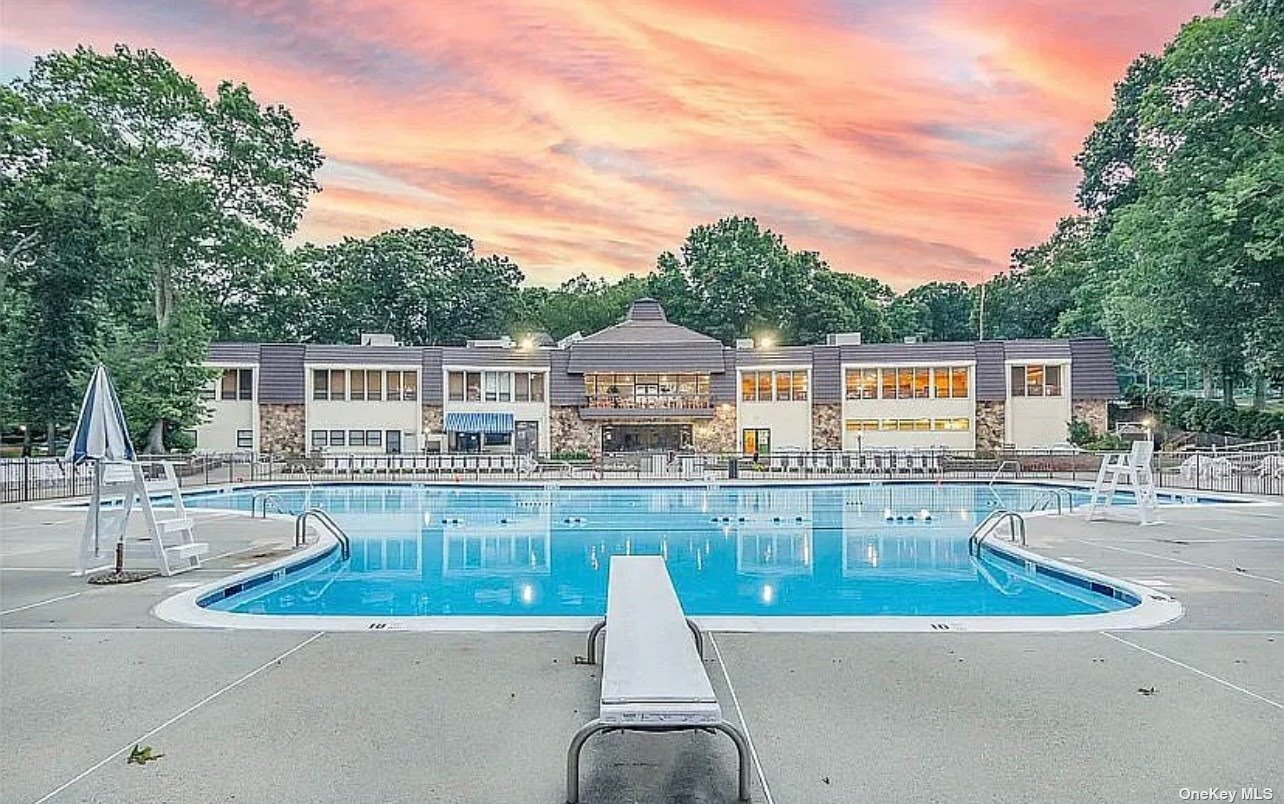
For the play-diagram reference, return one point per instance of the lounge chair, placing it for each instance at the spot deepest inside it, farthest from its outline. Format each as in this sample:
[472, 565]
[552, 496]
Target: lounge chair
[653, 678]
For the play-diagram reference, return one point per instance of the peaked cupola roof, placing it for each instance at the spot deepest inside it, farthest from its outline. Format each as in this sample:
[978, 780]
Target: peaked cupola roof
[646, 340]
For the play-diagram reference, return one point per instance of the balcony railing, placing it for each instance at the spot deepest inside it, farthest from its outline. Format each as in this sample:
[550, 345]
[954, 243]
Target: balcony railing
[649, 402]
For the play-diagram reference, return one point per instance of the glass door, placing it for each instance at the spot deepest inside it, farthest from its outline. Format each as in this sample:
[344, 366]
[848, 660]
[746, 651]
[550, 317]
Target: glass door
[526, 438]
[392, 442]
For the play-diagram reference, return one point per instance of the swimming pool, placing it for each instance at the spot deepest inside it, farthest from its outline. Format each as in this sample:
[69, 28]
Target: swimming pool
[735, 553]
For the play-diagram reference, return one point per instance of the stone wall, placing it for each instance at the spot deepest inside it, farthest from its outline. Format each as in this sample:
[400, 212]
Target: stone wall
[567, 432]
[826, 426]
[282, 429]
[434, 420]
[717, 434]
[991, 430]
[1096, 412]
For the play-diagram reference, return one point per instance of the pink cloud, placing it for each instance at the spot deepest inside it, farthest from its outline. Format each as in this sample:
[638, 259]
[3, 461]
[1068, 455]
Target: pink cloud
[907, 141]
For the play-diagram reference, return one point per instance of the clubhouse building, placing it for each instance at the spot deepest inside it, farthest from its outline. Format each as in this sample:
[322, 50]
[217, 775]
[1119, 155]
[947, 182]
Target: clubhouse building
[648, 384]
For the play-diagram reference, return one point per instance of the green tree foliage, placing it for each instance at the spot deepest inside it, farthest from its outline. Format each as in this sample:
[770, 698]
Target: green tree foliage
[937, 311]
[177, 202]
[424, 286]
[580, 304]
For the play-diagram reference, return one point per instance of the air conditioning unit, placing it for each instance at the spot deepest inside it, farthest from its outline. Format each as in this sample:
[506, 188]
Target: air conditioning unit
[842, 339]
[377, 339]
[744, 343]
[494, 343]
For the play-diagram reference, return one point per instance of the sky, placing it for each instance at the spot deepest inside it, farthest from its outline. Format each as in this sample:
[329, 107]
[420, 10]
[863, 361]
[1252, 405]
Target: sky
[909, 140]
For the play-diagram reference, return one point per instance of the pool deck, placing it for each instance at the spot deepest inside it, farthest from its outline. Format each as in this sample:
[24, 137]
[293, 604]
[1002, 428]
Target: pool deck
[86, 672]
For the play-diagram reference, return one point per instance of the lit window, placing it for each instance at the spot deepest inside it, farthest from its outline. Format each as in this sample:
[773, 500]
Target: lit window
[749, 386]
[410, 385]
[394, 386]
[800, 386]
[958, 382]
[784, 385]
[764, 386]
[1037, 380]
[861, 383]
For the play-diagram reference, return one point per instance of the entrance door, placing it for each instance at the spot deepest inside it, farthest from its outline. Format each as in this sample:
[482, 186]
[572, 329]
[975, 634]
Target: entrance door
[392, 442]
[755, 441]
[526, 438]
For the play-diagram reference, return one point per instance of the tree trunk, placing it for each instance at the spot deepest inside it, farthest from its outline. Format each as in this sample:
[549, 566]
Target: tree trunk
[51, 431]
[156, 438]
[1259, 391]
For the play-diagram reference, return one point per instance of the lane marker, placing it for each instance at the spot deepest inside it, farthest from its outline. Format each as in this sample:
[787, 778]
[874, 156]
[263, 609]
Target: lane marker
[753, 752]
[41, 603]
[142, 738]
[1235, 573]
[1195, 670]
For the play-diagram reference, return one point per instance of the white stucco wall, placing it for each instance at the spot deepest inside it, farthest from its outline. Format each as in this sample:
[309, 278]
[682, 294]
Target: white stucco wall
[1037, 421]
[227, 416]
[932, 408]
[789, 422]
[522, 411]
[325, 414]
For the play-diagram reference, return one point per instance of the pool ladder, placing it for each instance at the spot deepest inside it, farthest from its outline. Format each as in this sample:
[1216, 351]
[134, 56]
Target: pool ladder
[301, 530]
[266, 497]
[1053, 496]
[1016, 528]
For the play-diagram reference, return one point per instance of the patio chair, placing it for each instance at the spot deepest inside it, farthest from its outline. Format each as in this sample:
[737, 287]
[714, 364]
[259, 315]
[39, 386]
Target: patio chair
[653, 678]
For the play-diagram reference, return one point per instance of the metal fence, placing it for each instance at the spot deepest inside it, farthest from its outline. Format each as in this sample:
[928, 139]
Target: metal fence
[1256, 472]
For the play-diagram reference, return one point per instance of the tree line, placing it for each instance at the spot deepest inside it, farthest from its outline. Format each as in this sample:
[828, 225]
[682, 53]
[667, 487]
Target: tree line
[141, 218]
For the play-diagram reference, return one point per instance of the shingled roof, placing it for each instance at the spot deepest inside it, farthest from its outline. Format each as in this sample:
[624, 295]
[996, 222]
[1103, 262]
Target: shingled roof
[646, 341]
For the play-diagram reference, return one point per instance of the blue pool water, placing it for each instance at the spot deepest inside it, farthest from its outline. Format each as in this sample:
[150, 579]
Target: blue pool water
[749, 551]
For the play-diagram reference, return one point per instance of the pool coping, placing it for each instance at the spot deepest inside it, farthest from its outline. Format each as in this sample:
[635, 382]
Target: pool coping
[1153, 609]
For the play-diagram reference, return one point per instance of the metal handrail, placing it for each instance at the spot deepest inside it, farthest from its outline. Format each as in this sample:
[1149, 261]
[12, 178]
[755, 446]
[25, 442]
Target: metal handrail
[1003, 465]
[267, 497]
[1016, 525]
[1053, 495]
[300, 530]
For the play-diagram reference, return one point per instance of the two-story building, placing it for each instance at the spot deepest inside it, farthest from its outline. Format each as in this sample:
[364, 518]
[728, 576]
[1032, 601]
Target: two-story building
[649, 384]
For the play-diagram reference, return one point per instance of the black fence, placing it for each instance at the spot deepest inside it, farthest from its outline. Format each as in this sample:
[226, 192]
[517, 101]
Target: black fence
[1253, 473]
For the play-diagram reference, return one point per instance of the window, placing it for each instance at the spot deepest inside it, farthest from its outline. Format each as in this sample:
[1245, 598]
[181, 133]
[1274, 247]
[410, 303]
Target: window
[537, 387]
[904, 383]
[862, 383]
[374, 438]
[209, 391]
[320, 439]
[1052, 381]
[908, 425]
[1036, 380]
[755, 441]
[490, 384]
[320, 384]
[854, 425]
[504, 381]
[394, 386]
[336, 438]
[764, 386]
[783, 386]
[338, 379]
[455, 385]
[356, 438]
[521, 387]
[245, 384]
[497, 439]
[245, 439]
[958, 382]
[374, 385]
[888, 385]
[749, 386]
[229, 384]
[800, 386]
[473, 386]
[357, 386]
[409, 386]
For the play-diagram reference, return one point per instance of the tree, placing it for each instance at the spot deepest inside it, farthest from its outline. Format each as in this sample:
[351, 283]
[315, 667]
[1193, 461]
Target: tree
[579, 304]
[191, 194]
[936, 311]
[424, 286]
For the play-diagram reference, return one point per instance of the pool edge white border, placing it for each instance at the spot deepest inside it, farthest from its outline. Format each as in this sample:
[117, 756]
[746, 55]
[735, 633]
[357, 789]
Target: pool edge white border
[1155, 609]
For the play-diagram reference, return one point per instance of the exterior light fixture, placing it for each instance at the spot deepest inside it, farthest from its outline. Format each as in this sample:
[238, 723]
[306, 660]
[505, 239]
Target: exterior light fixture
[528, 343]
[766, 342]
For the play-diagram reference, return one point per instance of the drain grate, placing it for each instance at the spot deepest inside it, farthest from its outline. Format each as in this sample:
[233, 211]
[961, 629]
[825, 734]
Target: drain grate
[940, 627]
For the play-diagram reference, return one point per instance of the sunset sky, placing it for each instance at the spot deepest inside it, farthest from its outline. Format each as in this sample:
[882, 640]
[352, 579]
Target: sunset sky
[904, 139]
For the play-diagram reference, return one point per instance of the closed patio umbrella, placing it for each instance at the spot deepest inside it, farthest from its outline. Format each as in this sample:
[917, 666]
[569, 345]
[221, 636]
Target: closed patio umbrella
[100, 436]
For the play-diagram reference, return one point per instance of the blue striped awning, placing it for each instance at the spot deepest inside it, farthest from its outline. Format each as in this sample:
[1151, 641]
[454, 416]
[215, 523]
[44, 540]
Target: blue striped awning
[479, 422]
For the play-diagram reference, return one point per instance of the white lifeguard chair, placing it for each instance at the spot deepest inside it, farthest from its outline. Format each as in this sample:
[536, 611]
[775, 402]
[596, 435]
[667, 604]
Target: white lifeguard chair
[169, 542]
[1129, 471]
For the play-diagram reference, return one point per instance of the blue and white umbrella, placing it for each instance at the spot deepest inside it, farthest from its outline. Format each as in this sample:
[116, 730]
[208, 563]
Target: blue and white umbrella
[100, 430]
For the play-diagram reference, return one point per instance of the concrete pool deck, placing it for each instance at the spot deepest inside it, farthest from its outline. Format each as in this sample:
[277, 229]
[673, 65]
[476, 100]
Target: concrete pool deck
[86, 672]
